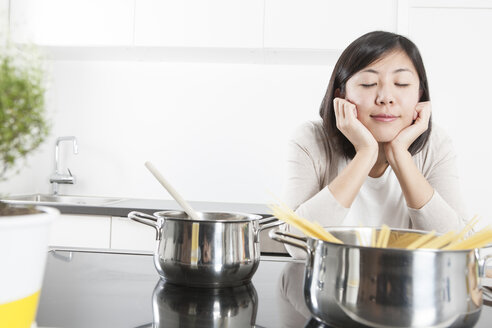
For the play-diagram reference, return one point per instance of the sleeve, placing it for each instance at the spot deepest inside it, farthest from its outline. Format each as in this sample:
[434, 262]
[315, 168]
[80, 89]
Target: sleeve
[445, 211]
[303, 191]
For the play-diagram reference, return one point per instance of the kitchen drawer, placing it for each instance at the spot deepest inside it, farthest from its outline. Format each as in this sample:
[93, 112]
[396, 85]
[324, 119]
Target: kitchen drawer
[92, 231]
[130, 235]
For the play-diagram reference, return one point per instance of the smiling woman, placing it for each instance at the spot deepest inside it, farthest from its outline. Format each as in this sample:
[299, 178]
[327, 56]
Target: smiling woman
[374, 158]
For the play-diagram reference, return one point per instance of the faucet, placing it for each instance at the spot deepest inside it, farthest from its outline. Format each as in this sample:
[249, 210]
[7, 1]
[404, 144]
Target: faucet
[58, 177]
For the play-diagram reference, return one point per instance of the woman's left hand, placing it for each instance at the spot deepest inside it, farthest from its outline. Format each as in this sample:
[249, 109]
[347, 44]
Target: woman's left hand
[408, 135]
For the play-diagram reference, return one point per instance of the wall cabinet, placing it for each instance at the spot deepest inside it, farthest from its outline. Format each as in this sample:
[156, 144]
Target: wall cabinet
[130, 235]
[197, 23]
[253, 24]
[72, 23]
[92, 231]
[321, 24]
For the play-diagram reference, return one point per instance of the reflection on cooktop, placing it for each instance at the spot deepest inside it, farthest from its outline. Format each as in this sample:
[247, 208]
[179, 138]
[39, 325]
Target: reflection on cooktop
[100, 290]
[174, 306]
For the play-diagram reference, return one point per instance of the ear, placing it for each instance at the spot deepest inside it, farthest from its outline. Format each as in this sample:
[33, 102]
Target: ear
[421, 92]
[338, 94]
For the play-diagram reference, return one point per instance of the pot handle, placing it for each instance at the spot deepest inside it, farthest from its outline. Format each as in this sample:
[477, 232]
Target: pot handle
[269, 222]
[291, 239]
[266, 223]
[147, 219]
[482, 262]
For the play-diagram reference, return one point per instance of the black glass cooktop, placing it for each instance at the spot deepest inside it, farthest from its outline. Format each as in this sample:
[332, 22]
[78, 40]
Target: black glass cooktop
[94, 289]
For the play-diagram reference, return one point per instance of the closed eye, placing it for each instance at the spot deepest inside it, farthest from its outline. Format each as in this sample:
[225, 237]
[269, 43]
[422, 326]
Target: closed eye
[368, 85]
[402, 84]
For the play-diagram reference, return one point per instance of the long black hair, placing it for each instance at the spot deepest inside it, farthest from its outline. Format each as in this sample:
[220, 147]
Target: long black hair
[357, 56]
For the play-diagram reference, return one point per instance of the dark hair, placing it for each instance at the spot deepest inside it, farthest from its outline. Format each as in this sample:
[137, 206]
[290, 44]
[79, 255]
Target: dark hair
[358, 55]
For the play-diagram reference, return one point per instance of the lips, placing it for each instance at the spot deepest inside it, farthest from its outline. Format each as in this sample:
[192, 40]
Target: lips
[384, 117]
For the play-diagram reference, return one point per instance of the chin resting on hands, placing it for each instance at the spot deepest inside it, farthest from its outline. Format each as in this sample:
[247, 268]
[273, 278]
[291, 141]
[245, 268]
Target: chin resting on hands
[351, 127]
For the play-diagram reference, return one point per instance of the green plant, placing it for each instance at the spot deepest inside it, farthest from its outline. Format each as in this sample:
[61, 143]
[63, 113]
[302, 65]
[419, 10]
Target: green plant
[23, 126]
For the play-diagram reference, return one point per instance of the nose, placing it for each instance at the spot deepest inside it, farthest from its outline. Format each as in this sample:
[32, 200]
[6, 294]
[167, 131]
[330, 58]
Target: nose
[384, 96]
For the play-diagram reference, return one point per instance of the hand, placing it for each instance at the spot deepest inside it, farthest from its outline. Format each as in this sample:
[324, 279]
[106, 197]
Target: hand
[407, 136]
[351, 127]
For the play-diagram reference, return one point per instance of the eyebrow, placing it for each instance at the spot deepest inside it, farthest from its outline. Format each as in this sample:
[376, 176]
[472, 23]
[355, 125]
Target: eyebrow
[399, 70]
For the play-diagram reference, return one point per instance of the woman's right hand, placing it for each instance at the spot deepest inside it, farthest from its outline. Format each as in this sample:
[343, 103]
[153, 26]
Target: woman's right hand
[347, 122]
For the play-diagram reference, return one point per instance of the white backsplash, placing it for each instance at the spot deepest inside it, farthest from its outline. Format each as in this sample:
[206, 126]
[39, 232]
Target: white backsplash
[216, 131]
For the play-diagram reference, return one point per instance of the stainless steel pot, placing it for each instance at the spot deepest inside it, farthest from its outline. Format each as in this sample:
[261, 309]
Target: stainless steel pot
[348, 285]
[220, 249]
[174, 306]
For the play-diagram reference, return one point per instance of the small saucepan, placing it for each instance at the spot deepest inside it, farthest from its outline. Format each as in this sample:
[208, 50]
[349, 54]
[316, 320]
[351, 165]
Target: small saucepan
[218, 250]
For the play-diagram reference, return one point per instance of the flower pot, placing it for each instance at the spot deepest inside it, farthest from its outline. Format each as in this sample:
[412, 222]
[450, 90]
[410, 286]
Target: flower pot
[23, 251]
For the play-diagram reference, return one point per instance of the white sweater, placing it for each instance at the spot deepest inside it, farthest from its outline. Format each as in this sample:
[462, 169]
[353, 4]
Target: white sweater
[380, 200]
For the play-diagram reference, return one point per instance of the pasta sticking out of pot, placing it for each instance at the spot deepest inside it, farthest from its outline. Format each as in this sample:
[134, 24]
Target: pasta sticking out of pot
[314, 230]
[394, 239]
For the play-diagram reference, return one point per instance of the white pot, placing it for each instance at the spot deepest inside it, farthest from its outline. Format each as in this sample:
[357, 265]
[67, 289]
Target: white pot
[23, 251]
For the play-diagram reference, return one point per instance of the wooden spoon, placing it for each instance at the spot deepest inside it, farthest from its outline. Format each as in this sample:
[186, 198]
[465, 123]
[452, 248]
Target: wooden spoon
[186, 207]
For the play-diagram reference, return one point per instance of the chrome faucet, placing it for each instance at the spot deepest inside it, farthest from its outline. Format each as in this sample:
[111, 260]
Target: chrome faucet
[58, 177]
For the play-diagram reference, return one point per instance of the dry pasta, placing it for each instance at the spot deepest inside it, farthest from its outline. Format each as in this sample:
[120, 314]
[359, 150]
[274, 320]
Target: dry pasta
[386, 238]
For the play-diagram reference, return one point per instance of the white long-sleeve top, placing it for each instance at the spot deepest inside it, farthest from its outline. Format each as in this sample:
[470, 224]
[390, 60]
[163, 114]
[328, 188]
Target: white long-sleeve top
[380, 200]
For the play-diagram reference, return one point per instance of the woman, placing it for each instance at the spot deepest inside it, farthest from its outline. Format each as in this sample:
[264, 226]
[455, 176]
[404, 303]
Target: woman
[375, 157]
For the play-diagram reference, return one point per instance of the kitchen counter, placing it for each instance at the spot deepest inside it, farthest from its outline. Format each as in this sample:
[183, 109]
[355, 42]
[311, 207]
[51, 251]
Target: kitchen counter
[122, 206]
[94, 289]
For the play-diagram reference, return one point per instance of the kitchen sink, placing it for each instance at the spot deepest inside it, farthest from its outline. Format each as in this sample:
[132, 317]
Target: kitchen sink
[61, 199]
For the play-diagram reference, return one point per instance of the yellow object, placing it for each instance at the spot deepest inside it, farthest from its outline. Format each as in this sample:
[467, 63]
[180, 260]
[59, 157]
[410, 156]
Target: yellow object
[440, 241]
[383, 236]
[19, 313]
[194, 243]
[404, 239]
[467, 228]
[314, 230]
[422, 240]
[386, 236]
[409, 240]
[478, 240]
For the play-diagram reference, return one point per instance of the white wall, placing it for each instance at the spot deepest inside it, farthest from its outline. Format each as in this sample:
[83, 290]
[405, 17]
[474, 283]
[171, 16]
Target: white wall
[216, 131]
[215, 119]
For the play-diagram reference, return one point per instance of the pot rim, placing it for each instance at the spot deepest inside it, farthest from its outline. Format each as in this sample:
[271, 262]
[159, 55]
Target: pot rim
[245, 217]
[387, 249]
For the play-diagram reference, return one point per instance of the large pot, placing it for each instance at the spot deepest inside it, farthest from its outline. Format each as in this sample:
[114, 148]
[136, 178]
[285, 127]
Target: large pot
[221, 249]
[347, 285]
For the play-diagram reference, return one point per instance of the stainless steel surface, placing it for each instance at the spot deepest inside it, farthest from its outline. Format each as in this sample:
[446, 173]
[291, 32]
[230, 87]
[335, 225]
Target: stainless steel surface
[204, 307]
[61, 199]
[227, 249]
[347, 285]
[58, 177]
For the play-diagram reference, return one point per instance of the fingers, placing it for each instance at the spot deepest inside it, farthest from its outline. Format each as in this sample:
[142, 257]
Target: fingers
[423, 112]
[344, 109]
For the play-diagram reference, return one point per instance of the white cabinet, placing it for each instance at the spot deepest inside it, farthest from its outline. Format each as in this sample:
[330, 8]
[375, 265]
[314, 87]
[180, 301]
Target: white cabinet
[321, 24]
[92, 231]
[130, 235]
[72, 22]
[198, 23]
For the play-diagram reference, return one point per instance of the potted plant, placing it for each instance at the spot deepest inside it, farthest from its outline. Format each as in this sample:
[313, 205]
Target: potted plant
[24, 231]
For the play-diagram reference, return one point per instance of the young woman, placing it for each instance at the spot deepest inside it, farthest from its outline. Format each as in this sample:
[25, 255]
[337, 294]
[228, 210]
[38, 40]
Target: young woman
[375, 158]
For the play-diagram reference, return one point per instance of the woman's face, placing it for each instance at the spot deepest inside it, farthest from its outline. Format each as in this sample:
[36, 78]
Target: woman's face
[385, 94]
